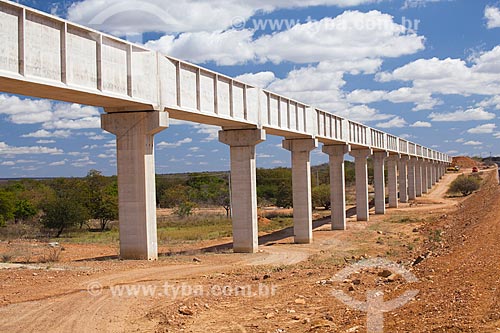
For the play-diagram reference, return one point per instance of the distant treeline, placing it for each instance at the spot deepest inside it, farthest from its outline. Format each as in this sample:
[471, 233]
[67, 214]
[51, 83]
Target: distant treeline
[60, 203]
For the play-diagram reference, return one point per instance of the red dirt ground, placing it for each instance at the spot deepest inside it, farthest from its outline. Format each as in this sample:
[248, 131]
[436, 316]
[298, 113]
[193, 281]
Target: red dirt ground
[457, 240]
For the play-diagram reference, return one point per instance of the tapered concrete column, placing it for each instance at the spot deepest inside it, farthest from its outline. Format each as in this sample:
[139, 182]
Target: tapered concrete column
[301, 186]
[403, 178]
[436, 173]
[412, 184]
[425, 177]
[361, 167]
[432, 173]
[379, 180]
[392, 179]
[429, 175]
[418, 178]
[337, 184]
[243, 186]
[136, 179]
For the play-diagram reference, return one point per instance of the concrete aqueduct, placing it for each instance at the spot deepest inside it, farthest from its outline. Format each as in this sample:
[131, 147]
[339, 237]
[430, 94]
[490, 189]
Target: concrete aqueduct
[47, 57]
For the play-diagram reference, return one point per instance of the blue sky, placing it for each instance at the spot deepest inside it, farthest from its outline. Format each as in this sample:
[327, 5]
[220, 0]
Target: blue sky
[427, 70]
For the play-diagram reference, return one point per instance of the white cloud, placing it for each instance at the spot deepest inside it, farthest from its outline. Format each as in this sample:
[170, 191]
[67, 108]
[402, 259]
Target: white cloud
[351, 36]
[407, 136]
[212, 131]
[467, 115]
[419, 3]
[473, 143]
[179, 143]
[194, 149]
[8, 163]
[83, 162]
[483, 129]
[492, 15]
[203, 47]
[422, 99]
[450, 76]
[132, 17]
[452, 152]
[47, 134]
[497, 135]
[261, 79]
[97, 137]
[363, 113]
[52, 115]
[59, 163]
[493, 102]
[110, 144]
[394, 122]
[6, 149]
[343, 41]
[45, 141]
[112, 155]
[421, 124]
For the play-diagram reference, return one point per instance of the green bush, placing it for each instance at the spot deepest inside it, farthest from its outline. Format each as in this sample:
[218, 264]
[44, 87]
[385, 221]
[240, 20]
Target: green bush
[321, 196]
[465, 185]
[185, 209]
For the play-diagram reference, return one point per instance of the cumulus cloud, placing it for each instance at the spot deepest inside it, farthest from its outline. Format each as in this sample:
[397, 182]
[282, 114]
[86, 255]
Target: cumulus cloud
[473, 143]
[483, 129]
[421, 124]
[349, 36]
[396, 122]
[343, 41]
[492, 15]
[46, 134]
[58, 163]
[202, 47]
[5, 149]
[83, 162]
[52, 115]
[363, 113]
[179, 143]
[463, 115]
[131, 17]
[451, 76]
[261, 79]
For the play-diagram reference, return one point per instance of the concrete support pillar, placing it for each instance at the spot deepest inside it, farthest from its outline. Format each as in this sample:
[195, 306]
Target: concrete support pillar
[429, 175]
[418, 178]
[379, 180]
[243, 186]
[301, 185]
[392, 179]
[432, 173]
[136, 179]
[337, 184]
[361, 167]
[412, 182]
[403, 178]
[436, 173]
[425, 177]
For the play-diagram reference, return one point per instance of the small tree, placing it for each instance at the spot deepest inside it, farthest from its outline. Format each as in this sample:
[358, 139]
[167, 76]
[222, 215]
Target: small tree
[61, 214]
[321, 196]
[7, 206]
[185, 209]
[465, 185]
[102, 198]
[24, 210]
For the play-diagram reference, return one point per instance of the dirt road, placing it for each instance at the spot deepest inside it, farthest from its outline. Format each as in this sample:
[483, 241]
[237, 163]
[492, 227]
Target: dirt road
[290, 284]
